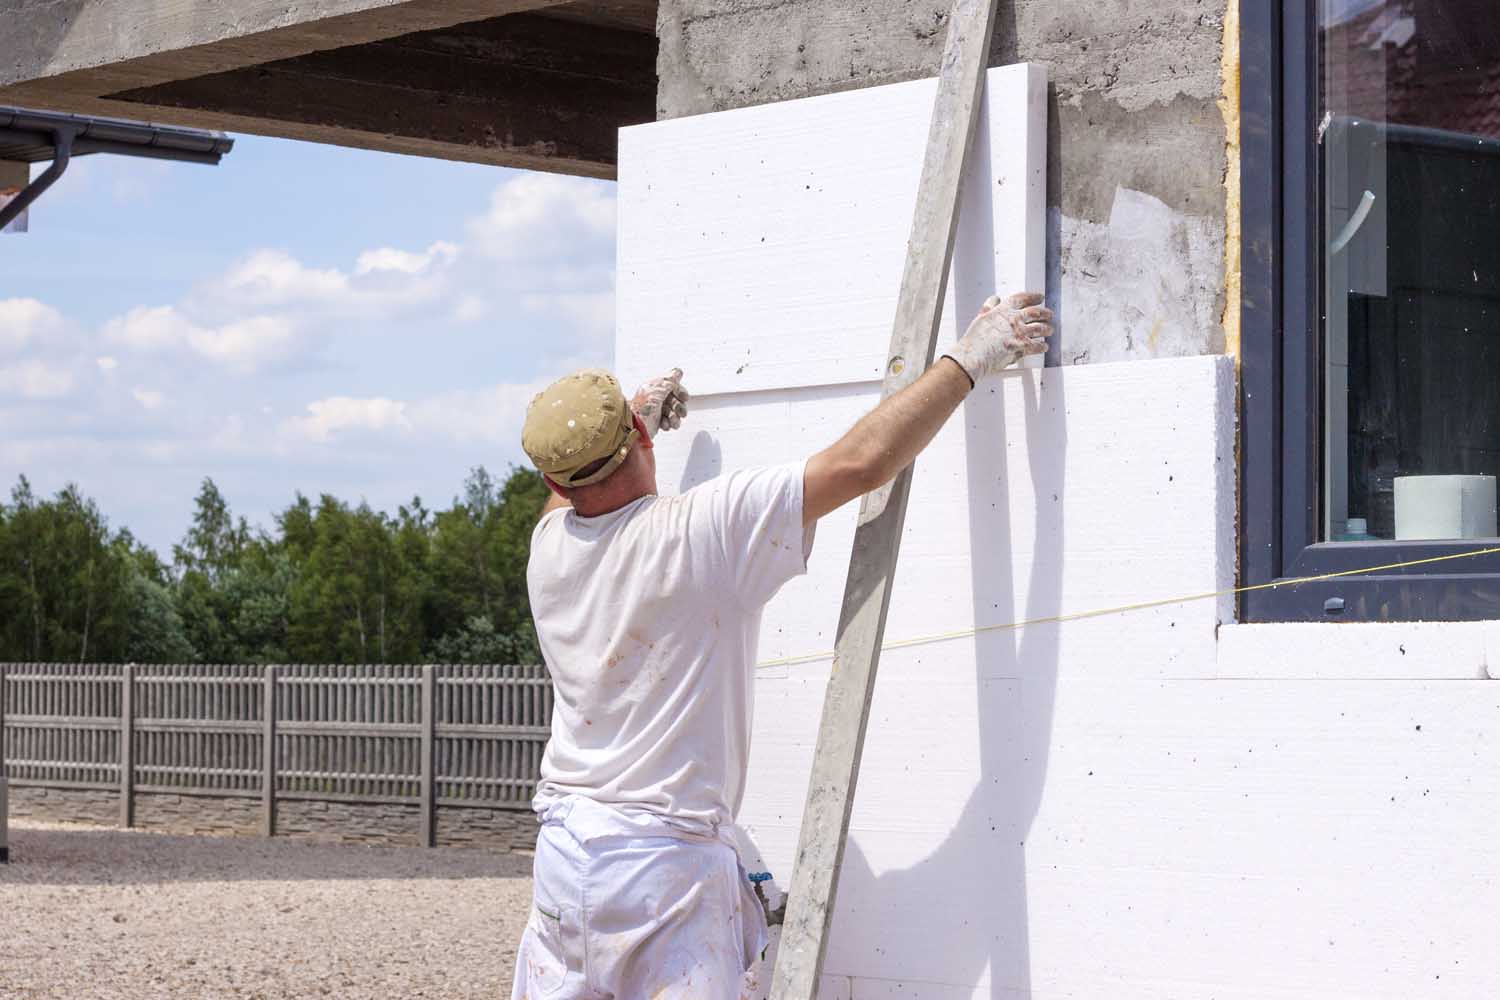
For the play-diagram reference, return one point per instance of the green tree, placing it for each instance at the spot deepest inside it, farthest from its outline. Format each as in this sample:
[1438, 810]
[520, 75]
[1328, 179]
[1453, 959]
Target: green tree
[215, 541]
[331, 583]
[256, 597]
[353, 600]
[479, 552]
[155, 633]
[65, 578]
[480, 642]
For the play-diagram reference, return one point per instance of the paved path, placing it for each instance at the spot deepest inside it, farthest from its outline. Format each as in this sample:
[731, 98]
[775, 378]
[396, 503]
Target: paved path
[88, 912]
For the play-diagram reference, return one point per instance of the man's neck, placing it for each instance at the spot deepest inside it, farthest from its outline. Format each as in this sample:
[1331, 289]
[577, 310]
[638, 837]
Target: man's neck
[608, 505]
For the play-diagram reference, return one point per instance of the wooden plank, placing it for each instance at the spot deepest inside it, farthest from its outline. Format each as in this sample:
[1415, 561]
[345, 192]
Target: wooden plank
[877, 539]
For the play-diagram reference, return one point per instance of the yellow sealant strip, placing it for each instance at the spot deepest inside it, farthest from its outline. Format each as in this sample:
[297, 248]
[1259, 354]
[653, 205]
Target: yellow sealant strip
[1229, 109]
[964, 633]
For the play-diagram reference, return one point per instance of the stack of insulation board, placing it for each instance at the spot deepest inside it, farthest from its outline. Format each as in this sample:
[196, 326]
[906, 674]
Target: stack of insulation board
[1099, 808]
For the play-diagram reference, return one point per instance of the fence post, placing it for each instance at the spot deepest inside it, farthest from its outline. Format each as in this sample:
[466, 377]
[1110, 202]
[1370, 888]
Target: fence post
[4, 803]
[429, 727]
[268, 752]
[127, 745]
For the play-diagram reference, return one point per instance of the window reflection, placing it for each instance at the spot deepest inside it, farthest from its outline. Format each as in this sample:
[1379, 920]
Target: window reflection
[1409, 142]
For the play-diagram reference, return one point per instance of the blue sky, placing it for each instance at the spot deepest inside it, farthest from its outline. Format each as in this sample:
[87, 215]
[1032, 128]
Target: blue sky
[300, 317]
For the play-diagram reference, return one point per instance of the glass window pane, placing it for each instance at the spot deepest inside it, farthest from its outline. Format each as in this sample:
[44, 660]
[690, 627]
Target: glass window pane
[1409, 144]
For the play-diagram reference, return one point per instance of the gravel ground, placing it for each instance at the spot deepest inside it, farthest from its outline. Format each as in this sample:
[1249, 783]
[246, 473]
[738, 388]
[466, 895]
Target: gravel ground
[86, 912]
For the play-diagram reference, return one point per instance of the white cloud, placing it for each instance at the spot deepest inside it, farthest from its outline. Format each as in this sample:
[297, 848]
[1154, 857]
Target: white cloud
[21, 320]
[353, 359]
[35, 380]
[555, 235]
[491, 415]
[439, 254]
[149, 328]
[383, 279]
[245, 344]
[149, 398]
[275, 277]
[337, 415]
[545, 215]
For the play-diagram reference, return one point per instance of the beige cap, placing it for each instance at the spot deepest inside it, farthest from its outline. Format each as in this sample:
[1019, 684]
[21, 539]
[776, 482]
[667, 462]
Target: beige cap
[575, 422]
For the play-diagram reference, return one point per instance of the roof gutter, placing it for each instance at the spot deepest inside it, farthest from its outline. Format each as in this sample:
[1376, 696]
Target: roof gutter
[62, 146]
[30, 136]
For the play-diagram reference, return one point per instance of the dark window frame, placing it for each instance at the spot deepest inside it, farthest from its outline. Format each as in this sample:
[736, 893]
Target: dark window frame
[1281, 357]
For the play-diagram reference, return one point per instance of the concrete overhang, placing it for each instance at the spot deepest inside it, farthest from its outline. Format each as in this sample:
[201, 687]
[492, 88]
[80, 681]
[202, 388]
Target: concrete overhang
[525, 83]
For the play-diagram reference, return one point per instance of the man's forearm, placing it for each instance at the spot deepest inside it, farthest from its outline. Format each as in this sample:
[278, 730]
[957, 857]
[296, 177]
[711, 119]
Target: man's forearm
[889, 437]
[885, 441]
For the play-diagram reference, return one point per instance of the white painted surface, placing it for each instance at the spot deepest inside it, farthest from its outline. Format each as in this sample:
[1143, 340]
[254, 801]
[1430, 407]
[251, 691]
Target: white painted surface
[1126, 807]
[1355, 651]
[767, 243]
[1492, 650]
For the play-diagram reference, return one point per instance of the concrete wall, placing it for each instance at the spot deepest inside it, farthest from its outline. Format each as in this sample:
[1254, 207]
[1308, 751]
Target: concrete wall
[1135, 183]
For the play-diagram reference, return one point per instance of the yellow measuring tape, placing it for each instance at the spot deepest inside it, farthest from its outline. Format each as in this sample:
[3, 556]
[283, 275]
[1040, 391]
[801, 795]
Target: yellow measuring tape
[964, 633]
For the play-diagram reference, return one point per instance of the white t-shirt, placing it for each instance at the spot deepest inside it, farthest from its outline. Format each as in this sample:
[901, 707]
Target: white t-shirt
[649, 618]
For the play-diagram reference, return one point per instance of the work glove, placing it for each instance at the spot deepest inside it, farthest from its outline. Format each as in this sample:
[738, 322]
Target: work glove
[661, 403]
[1005, 331]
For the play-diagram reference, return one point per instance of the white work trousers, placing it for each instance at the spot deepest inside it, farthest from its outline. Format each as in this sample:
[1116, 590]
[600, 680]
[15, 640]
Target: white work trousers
[621, 916]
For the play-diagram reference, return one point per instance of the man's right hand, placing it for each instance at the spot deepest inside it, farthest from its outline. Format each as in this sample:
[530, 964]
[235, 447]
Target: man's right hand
[887, 439]
[661, 403]
[1005, 331]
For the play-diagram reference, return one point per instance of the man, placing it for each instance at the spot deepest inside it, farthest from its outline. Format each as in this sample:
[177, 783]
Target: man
[648, 610]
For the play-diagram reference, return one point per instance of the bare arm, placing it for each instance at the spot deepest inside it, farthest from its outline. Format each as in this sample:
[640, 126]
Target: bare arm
[890, 437]
[885, 441]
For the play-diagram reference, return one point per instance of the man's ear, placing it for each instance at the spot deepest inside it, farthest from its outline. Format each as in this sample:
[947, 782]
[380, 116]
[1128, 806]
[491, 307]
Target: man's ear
[559, 490]
[640, 427]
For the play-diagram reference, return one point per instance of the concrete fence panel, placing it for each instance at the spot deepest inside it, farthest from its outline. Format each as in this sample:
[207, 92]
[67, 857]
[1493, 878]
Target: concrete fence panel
[373, 753]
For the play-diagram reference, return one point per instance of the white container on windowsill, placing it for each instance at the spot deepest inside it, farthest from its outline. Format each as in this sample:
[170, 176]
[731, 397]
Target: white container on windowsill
[1445, 507]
